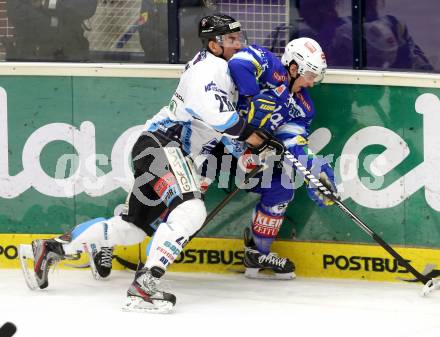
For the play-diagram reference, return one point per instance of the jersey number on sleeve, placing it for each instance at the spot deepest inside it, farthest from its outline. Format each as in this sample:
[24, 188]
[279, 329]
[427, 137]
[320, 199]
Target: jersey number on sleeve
[225, 105]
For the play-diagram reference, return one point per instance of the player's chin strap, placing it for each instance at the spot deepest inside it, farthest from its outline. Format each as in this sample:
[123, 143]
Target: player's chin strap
[292, 79]
[221, 55]
[428, 279]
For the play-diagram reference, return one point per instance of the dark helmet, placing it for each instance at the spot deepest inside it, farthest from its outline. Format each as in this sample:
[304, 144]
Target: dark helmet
[218, 24]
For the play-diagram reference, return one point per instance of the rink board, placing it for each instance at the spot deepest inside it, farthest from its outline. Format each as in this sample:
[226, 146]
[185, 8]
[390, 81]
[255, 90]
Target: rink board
[312, 259]
[66, 133]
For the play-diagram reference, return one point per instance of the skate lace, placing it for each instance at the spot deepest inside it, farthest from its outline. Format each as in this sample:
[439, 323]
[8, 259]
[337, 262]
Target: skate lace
[273, 259]
[106, 257]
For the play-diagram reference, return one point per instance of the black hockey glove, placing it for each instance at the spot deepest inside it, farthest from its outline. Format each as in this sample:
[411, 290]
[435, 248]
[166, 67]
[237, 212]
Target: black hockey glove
[269, 153]
[269, 143]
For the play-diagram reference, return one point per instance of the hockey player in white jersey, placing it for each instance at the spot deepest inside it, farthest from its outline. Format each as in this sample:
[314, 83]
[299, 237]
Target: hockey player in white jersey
[166, 186]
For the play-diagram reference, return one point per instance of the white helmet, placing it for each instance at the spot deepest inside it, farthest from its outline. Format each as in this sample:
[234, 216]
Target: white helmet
[308, 55]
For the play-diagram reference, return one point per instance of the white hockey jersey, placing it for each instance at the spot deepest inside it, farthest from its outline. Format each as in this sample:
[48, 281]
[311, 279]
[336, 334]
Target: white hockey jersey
[202, 109]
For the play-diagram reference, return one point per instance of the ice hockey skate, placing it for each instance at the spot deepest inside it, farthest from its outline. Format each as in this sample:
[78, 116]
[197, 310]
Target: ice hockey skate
[269, 266]
[144, 295]
[101, 262]
[44, 254]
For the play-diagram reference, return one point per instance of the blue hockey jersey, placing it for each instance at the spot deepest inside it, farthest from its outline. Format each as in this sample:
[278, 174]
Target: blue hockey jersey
[256, 70]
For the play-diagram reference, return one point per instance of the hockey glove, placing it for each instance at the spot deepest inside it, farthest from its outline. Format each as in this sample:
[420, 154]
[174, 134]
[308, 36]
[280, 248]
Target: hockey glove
[260, 110]
[269, 147]
[327, 178]
[269, 142]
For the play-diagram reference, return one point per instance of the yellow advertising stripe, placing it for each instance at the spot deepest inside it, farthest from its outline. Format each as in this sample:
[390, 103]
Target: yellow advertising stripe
[312, 259]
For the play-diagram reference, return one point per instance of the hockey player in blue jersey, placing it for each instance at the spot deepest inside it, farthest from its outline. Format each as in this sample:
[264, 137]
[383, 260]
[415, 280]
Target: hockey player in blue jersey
[273, 95]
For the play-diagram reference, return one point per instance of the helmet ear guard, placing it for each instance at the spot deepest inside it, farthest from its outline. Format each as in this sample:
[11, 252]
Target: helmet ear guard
[307, 54]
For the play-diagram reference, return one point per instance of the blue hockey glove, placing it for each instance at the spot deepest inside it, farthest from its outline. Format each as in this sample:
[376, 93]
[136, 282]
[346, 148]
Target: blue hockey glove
[327, 178]
[260, 110]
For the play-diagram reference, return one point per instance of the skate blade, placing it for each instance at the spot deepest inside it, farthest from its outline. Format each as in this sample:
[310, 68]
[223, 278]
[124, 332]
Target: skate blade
[256, 273]
[430, 286]
[25, 254]
[137, 304]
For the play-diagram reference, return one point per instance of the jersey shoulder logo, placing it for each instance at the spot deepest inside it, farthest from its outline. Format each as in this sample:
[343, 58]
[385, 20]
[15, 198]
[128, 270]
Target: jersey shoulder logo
[213, 87]
[279, 77]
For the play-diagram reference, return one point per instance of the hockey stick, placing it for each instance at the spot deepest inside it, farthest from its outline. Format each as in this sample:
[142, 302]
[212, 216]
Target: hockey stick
[210, 216]
[226, 199]
[425, 279]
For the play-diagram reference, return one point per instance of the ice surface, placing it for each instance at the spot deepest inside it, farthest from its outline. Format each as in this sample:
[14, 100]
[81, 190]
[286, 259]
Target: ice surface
[219, 305]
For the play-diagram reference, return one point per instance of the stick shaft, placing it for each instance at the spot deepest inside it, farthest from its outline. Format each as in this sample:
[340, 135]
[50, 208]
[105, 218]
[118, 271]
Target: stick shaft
[226, 199]
[331, 195]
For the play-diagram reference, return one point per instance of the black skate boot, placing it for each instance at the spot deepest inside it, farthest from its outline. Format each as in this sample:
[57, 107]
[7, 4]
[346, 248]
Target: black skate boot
[254, 261]
[144, 296]
[46, 253]
[101, 262]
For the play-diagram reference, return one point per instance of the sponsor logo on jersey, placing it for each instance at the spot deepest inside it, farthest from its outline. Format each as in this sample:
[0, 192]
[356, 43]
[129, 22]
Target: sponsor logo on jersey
[279, 90]
[179, 96]
[266, 225]
[164, 183]
[213, 87]
[267, 107]
[363, 263]
[279, 77]
[170, 194]
[303, 101]
[166, 188]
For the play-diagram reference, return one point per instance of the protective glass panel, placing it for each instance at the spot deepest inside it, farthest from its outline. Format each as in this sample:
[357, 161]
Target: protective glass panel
[329, 23]
[402, 35]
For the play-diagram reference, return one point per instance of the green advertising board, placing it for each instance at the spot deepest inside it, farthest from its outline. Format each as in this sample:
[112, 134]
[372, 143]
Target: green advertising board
[65, 146]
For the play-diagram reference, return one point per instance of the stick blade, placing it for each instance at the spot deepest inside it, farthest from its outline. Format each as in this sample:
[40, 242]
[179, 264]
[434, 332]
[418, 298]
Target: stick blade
[429, 271]
[430, 286]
